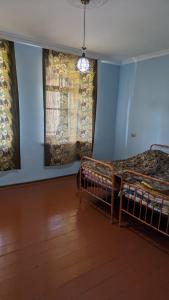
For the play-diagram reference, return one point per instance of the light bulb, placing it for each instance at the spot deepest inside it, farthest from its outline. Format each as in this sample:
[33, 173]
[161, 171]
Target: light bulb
[83, 64]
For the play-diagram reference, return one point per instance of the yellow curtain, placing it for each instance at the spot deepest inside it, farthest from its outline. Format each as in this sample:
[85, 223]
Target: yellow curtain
[70, 101]
[9, 109]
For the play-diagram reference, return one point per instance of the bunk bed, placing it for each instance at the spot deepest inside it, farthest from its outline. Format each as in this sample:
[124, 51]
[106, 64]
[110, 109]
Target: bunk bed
[142, 179]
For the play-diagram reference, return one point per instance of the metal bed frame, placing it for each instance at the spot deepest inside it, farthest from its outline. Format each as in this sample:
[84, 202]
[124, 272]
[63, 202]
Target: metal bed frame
[93, 188]
[106, 192]
[129, 206]
[143, 210]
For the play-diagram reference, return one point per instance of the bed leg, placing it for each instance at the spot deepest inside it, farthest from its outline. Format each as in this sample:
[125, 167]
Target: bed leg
[112, 198]
[120, 209]
[80, 181]
[112, 206]
[80, 197]
[120, 217]
[112, 213]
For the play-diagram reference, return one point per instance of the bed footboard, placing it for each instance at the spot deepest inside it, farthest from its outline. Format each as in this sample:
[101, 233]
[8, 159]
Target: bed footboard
[98, 184]
[144, 203]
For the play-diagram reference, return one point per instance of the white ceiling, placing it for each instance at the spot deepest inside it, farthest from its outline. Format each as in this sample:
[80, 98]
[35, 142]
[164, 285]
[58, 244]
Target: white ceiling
[119, 29]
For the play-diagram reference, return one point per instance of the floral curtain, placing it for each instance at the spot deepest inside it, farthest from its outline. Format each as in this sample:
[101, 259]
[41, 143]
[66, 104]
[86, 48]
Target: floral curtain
[70, 104]
[9, 109]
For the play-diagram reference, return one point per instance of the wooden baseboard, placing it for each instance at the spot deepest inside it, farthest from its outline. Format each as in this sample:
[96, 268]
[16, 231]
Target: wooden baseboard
[46, 180]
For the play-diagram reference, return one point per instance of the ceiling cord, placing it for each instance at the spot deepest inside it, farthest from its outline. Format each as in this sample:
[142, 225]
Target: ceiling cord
[84, 24]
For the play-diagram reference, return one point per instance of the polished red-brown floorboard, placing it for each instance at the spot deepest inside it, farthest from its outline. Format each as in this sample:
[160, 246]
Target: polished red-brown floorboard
[52, 248]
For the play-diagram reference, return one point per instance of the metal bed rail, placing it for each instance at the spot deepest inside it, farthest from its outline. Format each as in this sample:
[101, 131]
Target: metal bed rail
[145, 205]
[100, 186]
[159, 146]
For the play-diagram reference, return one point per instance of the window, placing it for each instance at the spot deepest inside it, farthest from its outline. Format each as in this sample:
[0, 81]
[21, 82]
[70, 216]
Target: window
[70, 101]
[9, 109]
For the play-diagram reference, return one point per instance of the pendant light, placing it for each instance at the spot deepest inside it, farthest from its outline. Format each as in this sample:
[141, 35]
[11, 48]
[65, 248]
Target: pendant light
[83, 64]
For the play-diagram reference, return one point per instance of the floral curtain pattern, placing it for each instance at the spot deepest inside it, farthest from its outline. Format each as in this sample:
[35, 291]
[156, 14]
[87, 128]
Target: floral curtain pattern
[9, 109]
[70, 102]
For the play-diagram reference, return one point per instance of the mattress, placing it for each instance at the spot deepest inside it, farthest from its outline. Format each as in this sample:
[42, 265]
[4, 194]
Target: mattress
[156, 198]
[97, 174]
[151, 162]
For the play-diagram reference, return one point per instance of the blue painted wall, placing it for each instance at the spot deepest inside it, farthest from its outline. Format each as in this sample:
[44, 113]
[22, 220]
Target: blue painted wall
[29, 72]
[108, 81]
[143, 106]
[132, 99]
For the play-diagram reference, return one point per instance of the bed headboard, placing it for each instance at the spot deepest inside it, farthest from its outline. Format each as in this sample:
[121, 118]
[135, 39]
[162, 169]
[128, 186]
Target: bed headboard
[159, 146]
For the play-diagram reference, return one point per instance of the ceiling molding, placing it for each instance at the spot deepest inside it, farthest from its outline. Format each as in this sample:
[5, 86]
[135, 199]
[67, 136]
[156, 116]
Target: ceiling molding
[42, 44]
[22, 39]
[145, 57]
[116, 63]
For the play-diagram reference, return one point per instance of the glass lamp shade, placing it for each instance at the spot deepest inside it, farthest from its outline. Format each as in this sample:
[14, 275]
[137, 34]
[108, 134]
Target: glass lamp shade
[83, 64]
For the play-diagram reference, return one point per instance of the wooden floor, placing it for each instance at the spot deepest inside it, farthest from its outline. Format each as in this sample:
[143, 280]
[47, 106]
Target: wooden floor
[51, 248]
